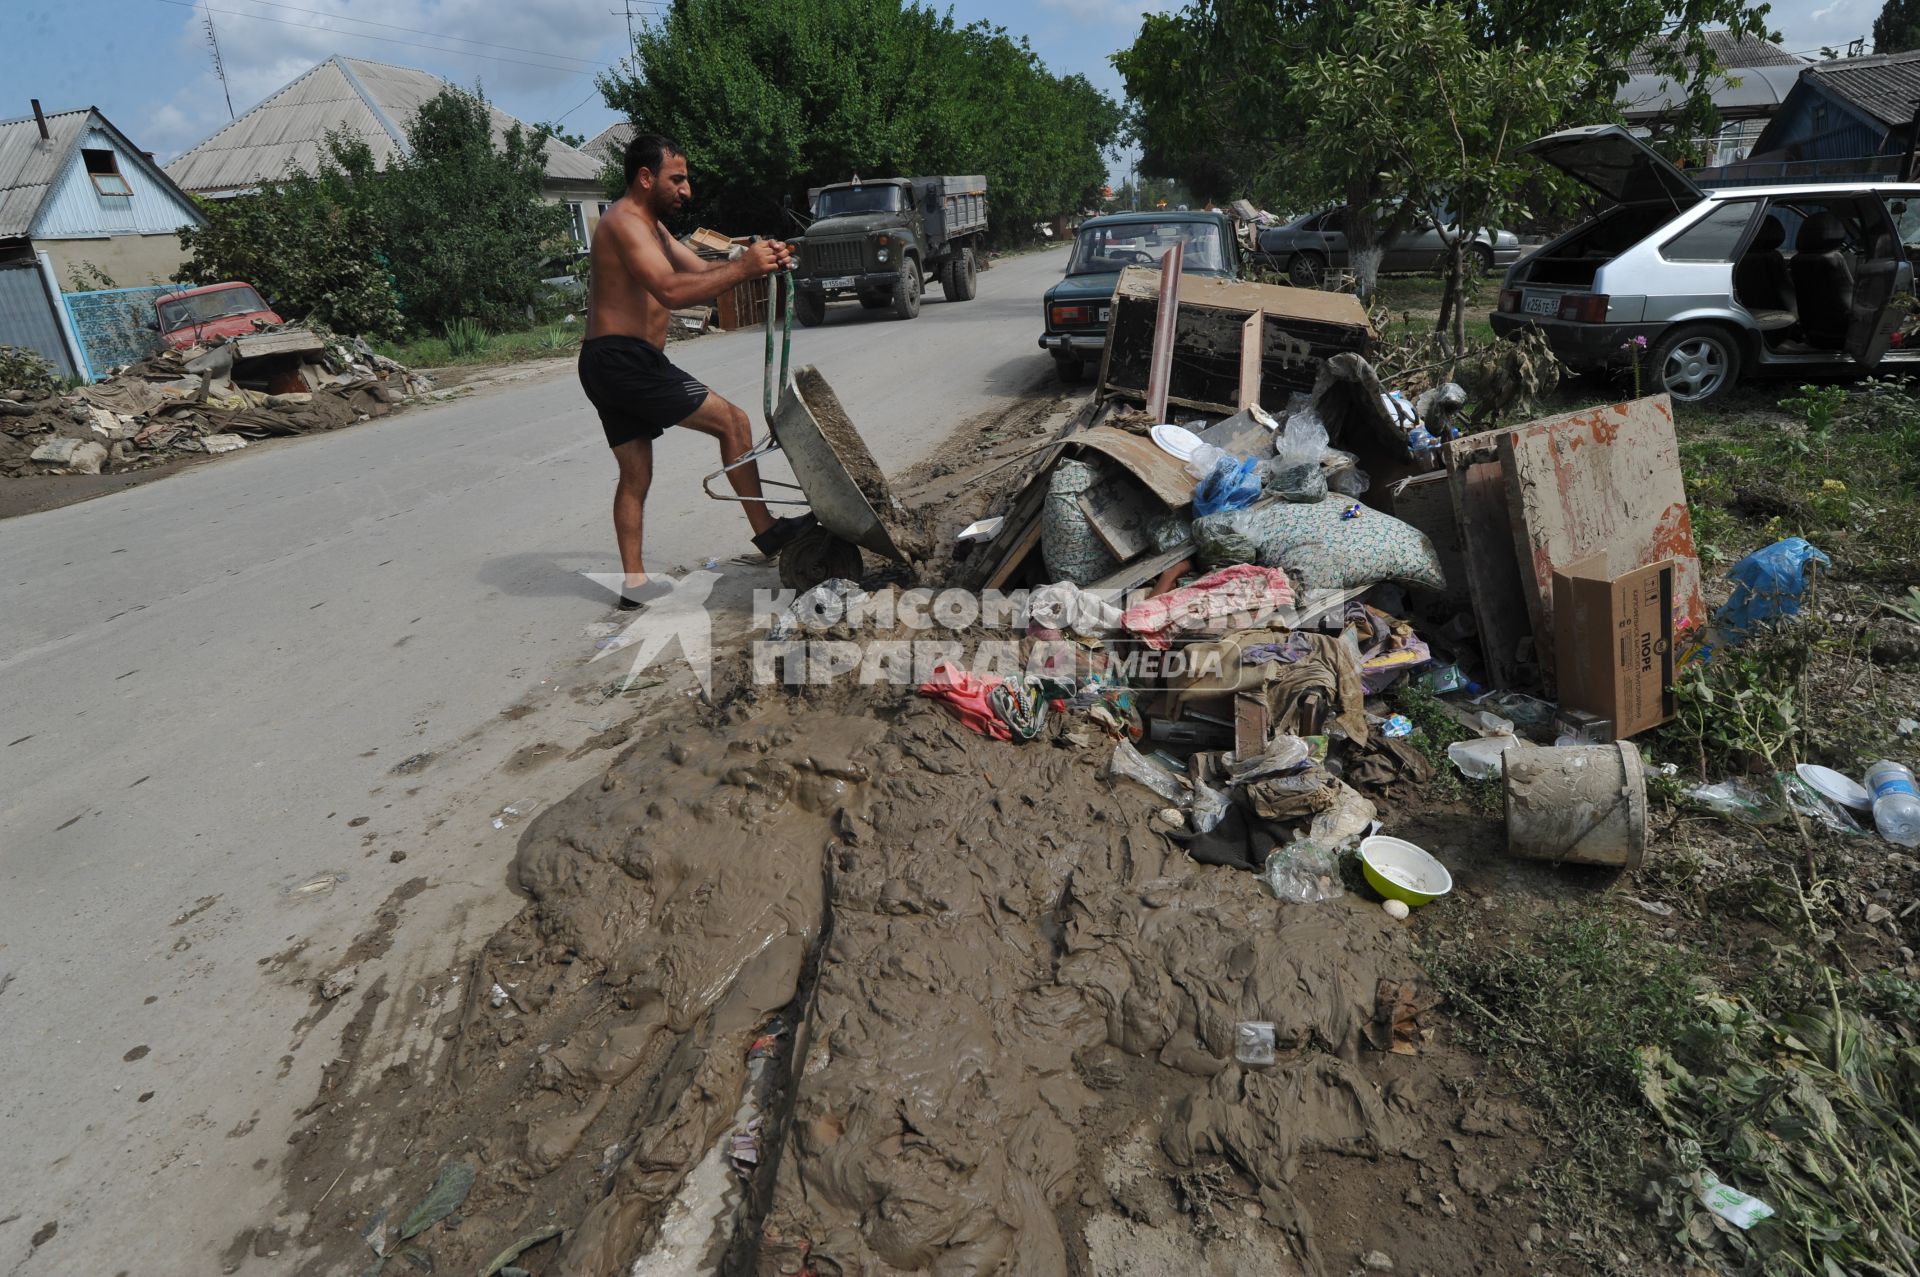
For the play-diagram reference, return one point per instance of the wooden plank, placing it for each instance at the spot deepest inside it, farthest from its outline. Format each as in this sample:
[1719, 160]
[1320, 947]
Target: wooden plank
[292, 341]
[1165, 319]
[1492, 572]
[1117, 511]
[1252, 727]
[1017, 552]
[1426, 502]
[1253, 343]
[1132, 575]
[1600, 481]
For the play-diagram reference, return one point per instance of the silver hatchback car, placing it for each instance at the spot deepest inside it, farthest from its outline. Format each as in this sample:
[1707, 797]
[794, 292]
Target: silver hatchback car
[1719, 284]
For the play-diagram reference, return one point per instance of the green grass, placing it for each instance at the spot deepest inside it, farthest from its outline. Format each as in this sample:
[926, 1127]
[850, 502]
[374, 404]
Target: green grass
[545, 342]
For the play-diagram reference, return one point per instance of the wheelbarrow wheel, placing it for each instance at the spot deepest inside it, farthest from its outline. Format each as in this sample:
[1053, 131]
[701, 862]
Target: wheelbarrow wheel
[817, 555]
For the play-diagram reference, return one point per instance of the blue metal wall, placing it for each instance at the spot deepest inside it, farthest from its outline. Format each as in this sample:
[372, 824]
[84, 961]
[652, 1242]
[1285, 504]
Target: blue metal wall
[74, 209]
[1814, 125]
[112, 325]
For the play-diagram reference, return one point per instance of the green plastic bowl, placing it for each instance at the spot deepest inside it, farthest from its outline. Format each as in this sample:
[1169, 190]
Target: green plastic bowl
[1401, 871]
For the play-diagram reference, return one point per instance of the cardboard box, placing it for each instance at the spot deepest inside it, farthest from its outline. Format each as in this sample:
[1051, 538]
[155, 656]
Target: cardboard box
[1614, 636]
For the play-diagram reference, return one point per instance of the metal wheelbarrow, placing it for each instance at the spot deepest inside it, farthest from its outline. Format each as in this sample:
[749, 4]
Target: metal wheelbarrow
[838, 479]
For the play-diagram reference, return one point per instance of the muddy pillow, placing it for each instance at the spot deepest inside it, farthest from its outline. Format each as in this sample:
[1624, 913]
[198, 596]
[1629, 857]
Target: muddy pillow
[1332, 544]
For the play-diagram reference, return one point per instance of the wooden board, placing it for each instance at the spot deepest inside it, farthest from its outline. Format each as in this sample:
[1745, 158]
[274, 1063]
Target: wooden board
[1426, 502]
[1251, 725]
[1117, 511]
[1487, 560]
[1132, 575]
[1600, 481]
[291, 341]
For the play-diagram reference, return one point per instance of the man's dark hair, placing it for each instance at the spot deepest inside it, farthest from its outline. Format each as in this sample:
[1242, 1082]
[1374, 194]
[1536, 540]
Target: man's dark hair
[648, 151]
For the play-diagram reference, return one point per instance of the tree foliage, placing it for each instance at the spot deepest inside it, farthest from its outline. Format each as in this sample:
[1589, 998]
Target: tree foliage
[1218, 93]
[771, 97]
[1897, 29]
[461, 216]
[1408, 85]
[310, 244]
[455, 227]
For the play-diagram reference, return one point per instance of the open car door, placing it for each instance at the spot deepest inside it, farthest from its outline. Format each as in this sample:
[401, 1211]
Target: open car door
[1883, 275]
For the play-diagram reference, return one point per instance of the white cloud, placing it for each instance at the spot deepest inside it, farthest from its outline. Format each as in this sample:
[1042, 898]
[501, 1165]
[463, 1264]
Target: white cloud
[1108, 11]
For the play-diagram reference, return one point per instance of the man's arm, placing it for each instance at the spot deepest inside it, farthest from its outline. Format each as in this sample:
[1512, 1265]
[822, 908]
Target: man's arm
[646, 258]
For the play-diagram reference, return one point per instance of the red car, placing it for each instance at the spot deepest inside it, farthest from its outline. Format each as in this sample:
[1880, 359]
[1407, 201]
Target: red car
[196, 316]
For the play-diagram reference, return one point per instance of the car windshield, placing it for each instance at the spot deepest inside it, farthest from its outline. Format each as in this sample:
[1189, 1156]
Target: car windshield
[204, 308]
[1104, 250]
[837, 200]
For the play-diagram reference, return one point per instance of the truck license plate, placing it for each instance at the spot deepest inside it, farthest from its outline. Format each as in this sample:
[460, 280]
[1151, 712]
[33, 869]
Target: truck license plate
[838, 281]
[1542, 306]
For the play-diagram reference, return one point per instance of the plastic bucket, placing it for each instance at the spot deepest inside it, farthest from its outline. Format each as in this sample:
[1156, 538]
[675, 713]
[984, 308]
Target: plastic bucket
[1581, 804]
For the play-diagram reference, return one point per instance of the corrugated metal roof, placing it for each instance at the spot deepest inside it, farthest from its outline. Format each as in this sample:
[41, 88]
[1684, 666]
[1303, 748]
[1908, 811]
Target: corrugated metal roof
[610, 142]
[29, 165]
[369, 100]
[1732, 52]
[1884, 85]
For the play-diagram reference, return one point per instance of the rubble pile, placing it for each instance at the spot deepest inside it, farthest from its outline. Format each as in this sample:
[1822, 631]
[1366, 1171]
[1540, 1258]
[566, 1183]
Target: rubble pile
[205, 399]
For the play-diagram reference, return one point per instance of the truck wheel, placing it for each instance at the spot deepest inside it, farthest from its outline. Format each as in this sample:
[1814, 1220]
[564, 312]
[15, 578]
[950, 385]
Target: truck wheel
[967, 277]
[906, 290]
[1070, 368]
[810, 309]
[874, 301]
[950, 277]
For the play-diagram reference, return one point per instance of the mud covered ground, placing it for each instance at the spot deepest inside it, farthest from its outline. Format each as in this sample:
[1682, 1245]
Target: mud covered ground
[1010, 1006]
[819, 981]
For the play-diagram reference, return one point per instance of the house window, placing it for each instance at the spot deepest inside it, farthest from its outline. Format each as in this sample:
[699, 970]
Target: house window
[104, 168]
[579, 212]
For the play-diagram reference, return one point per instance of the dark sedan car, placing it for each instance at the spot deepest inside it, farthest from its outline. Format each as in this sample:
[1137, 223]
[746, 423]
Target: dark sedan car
[1306, 248]
[1076, 309]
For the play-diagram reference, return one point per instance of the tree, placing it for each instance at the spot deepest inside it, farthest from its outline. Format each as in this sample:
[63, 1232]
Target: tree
[549, 128]
[310, 243]
[1217, 87]
[1897, 29]
[772, 97]
[456, 227]
[1410, 83]
[461, 217]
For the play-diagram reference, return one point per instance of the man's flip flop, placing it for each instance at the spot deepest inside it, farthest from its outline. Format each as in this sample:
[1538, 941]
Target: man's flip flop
[784, 532]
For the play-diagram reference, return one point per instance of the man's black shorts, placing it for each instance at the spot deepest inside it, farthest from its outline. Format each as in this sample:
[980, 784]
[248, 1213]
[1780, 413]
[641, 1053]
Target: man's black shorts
[636, 388]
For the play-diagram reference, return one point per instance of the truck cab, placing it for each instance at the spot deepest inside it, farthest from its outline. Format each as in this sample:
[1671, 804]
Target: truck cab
[879, 239]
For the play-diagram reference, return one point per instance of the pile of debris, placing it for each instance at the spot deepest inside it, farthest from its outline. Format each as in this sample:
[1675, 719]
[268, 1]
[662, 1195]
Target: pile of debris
[206, 399]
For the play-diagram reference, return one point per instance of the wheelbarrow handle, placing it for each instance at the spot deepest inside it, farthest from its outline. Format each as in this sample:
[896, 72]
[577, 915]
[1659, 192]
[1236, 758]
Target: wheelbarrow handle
[779, 297]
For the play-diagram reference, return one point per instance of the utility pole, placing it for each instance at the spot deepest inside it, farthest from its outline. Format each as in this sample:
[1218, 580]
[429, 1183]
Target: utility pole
[219, 67]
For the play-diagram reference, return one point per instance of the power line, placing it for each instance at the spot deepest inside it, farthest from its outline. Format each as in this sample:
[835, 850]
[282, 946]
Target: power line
[438, 35]
[361, 35]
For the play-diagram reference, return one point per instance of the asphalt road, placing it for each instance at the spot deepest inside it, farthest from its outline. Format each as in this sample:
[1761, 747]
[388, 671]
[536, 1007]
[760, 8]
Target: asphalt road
[206, 682]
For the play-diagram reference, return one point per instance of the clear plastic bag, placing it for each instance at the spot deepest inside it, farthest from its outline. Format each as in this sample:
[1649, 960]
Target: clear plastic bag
[1482, 759]
[1294, 472]
[1202, 460]
[1282, 754]
[1253, 1042]
[1208, 810]
[1304, 873]
[1132, 764]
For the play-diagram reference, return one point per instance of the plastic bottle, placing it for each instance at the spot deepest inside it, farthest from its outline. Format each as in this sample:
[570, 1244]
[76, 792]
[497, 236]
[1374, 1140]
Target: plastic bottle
[1896, 806]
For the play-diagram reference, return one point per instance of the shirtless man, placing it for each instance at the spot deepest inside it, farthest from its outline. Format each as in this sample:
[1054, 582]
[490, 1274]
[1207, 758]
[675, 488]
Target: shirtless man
[640, 274]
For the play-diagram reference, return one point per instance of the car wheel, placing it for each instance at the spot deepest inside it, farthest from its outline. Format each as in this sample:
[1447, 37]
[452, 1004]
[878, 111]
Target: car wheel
[1695, 363]
[810, 309]
[1307, 270]
[906, 290]
[1479, 261]
[1070, 368]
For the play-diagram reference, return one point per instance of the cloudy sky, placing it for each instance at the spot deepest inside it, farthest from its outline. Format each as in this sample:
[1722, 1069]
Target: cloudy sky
[147, 65]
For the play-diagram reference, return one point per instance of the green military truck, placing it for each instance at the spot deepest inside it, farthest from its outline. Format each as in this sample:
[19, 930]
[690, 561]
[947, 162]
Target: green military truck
[880, 240]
